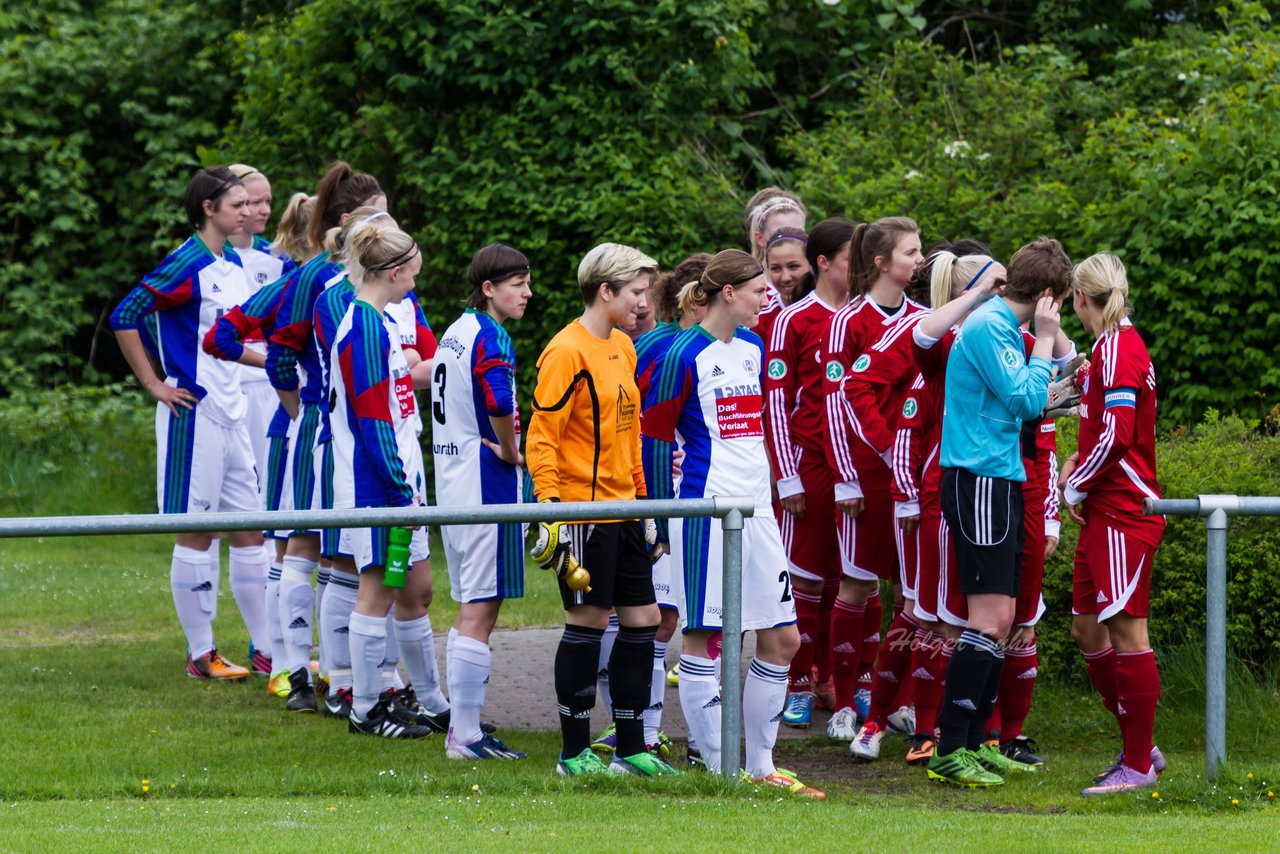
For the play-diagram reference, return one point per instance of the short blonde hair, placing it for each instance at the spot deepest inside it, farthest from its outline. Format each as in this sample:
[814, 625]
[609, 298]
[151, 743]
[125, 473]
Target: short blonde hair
[613, 264]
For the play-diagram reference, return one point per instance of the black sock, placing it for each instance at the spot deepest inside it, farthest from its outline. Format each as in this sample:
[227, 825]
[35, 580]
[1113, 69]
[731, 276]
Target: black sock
[978, 726]
[577, 658]
[630, 676]
[971, 663]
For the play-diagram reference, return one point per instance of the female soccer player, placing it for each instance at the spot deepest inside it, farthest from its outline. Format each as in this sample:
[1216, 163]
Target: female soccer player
[991, 388]
[769, 210]
[584, 445]
[796, 416]
[1103, 485]
[204, 460]
[785, 263]
[883, 259]
[376, 450]
[708, 399]
[294, 369]
[476, 445]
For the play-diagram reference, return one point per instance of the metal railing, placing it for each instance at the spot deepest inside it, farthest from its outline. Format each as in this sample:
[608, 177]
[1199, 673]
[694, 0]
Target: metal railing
[1217, 510]
[730, 510]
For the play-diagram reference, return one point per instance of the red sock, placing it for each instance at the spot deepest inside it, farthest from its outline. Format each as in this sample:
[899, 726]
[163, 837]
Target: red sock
[929, 662]
[1102, 673]
[993, 722]
[822, 649]
[846, 634]
[1017, 683]
[870, 641]
[807, 622]
[893, 668]
[1137, 690]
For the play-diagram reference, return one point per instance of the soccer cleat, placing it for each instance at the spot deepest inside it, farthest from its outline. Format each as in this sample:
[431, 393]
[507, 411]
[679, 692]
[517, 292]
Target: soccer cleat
[403, 705]
[642, 765]
[379, 722]
[337, 704]
[582, 765]
[866, 745]
[862, 703]
[903, 720]
[1121, 778]
[786, 780]
[843, 725]
[212, 665]
[673, 675]
[302, 697]
[608, 740]
[994, 760]
[921, 750]
[321, 684]
[278, 685]
[487, 747]
[694, 757]
[661, 748]
[798, 711]
[1022, 749]
[259, 663]
[825, 695]
[961, 768]
[1157, 764]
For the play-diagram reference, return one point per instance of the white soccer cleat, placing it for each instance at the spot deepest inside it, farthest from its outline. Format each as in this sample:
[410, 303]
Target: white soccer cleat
[903, 720]
[843, 725]
[867, 744]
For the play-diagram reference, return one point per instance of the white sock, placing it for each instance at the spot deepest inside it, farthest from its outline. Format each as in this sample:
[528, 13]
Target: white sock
[335, 621]
[188, 576]
[657, 692]
[418, 651]
[322, 584]
[391, 657]
[278, 654]
[368, 648]
[468, 668]
[269, 550]
[248, 573]
[214, 573]
[295, 612]
[603, 695]
[700, 700]
[764, 693]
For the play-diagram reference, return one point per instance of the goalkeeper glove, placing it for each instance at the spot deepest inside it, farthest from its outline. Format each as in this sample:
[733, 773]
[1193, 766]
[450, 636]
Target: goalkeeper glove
[553, 551]
[1064, 398]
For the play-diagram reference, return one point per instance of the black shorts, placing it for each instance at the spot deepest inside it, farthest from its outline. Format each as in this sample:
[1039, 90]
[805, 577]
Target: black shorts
[987, 531]
[617, 557]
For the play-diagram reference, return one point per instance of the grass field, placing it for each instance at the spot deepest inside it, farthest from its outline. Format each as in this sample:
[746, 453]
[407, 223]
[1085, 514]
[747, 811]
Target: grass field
[105, 746]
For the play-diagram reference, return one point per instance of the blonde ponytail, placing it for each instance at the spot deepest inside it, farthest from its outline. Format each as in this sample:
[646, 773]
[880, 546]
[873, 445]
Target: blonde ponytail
[950, 273]
[1103, 281]
[291, 234]
[940, 278]
[376, 246]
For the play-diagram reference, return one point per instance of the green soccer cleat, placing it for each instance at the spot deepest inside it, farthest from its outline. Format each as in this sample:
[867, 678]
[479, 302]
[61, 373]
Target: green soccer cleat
[584, 764]
[997, 763]
[962, 768]
[673, 675]
[642, 765]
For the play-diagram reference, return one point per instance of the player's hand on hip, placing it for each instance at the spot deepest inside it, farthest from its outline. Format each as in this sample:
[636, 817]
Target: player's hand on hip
[172, 396]
[501, 453]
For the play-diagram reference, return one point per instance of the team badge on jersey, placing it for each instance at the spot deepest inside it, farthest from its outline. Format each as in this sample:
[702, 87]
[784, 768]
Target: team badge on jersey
[834, 370]
[1011, 358]
[777, 369]
[909, 408]
[864, 362]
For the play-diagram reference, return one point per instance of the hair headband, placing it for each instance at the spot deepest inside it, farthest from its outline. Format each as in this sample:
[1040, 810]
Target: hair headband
[371, 217]
[247, 174]
[974, 280]
[398, 261]
[779, 236]
[222, 188]
[746, 277]
[506, 272]
[761, 213]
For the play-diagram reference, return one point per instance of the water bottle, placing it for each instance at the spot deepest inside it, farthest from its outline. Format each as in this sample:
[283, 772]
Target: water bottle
[397, 557]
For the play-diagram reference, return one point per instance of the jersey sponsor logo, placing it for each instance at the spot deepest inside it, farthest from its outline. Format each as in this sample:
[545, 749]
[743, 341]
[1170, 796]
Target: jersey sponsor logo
[1047, 427]
[777, 369]
[404, 392]
[863, 362]
[452, 344]
[449, 450]
[835, 370]
[909, 408]
[716, 372]
[1012, 358]
[216, 289]
[626, 411]
[738, 411]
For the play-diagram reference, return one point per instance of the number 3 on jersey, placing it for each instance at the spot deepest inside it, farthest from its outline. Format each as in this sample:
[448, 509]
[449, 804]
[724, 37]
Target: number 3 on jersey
[437, 403]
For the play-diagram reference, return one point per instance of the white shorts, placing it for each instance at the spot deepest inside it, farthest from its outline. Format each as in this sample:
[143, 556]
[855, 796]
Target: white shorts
[664, 583]
[697, 559]
[486, 562]
[368, 546]
[203, 466]
[262, 403]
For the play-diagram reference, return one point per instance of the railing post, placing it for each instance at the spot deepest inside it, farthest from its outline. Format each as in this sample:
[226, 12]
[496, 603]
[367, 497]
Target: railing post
[731, 648]
[1215, 664]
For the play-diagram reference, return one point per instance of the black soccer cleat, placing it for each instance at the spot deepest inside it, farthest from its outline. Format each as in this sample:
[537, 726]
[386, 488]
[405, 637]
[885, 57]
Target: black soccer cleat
[1022, 749]
[302, 697]
[337, 704]
[380, 722]
[405, 705]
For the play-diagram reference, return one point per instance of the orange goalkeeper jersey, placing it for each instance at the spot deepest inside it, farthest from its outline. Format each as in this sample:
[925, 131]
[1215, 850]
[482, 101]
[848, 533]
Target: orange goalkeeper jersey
[584, 436]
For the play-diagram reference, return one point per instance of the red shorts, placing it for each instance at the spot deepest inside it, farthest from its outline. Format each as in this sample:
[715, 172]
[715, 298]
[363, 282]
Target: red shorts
[1030, 604]
[938, 593]
[810, 543]
[1112, 570]
[908, 560]
[868, 551]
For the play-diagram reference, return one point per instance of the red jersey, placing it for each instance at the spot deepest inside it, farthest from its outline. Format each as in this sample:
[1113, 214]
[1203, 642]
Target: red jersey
[1117, 447]
[854, 331]
[769, 314]
[795, 411]
[875, 393]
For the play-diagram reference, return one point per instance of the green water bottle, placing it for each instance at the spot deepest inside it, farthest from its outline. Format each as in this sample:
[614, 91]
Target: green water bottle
[397, 557]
